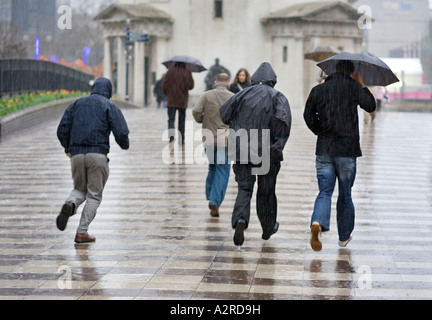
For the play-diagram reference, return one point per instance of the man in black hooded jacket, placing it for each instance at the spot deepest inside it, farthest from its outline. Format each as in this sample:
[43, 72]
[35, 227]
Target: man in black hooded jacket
[84, 132]
[259, 118]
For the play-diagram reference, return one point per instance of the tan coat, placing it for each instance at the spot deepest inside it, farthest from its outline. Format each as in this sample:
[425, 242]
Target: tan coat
[206, 111]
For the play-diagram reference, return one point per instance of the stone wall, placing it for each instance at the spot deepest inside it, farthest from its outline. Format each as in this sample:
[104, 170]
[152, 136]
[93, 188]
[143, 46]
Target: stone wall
[30, 117]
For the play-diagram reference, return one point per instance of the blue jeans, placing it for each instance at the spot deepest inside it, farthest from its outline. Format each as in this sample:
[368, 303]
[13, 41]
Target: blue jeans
[218, 174]
[328, 169]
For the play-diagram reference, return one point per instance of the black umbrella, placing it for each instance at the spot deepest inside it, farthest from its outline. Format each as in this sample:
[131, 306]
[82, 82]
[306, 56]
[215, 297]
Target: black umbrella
[192, 64]
[373, 70]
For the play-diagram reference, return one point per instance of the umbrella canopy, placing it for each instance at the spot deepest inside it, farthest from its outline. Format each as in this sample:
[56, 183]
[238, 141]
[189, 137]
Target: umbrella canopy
[321, 53]
[192, 64]
[373, 70]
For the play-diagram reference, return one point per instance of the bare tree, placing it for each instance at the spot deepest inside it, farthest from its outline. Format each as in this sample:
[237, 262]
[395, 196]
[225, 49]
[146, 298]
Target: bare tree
[91, 7]
[11, 45]
[85, 33]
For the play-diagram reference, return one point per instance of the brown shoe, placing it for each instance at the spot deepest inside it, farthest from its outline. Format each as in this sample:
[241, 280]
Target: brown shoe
[84, 238]
[316, 242]
[214, 210]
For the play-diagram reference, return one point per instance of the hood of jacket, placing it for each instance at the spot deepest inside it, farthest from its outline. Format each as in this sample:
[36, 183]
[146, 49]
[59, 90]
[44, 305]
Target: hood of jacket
[103, 87]
[264, 75]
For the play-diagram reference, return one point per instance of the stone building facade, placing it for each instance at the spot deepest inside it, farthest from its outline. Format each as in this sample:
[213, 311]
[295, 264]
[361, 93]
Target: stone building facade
[240, 33]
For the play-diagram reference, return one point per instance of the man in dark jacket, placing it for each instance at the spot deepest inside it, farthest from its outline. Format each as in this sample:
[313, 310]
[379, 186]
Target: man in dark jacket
[331, 113]
[260, 123]
[84, 132]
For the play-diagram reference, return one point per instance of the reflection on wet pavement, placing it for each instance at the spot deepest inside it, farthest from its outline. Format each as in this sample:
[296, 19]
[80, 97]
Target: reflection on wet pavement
[156, 239]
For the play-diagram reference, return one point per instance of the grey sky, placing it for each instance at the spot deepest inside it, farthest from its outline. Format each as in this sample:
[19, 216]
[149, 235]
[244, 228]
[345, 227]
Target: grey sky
[92, 7]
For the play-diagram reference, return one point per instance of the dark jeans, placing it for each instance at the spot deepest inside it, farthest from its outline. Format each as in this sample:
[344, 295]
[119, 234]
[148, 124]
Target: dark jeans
[266, 196]
[181, 123]
[328, 170]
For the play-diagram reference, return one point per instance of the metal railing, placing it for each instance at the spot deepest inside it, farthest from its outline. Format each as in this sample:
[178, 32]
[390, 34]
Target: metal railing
[23, 76]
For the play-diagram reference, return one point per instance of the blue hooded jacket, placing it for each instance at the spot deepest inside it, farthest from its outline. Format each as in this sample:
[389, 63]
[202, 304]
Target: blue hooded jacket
[88, 122]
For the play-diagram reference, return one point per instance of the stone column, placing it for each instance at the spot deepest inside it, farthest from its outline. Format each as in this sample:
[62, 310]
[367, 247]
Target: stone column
[162, 53]
[107, 59]
[121, 68]
[138, 74]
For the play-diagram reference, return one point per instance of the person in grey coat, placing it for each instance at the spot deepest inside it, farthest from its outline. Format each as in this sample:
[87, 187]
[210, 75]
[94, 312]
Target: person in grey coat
[84, 132]
[259, 118]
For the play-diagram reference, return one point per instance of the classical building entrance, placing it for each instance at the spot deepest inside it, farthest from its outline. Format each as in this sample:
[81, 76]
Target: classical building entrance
[141, 62]
[280, 32]
[295, 30]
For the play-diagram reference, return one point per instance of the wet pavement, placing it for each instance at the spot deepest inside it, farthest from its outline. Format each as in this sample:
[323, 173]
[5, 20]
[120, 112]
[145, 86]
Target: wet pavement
[156, 239]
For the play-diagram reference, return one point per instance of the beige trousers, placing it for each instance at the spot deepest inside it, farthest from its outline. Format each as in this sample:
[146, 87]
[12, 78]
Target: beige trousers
[90, 173]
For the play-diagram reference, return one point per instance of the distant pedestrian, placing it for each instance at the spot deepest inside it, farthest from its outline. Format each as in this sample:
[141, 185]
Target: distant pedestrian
[382, 97]
[159, 94]
[241, 81]
[215, 139]
[176, 85]
[331, 113]
[213, 72]
[259, 118]
[84, 132]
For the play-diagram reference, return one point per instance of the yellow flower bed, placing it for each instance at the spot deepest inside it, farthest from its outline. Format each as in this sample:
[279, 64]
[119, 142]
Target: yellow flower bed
[12, 104]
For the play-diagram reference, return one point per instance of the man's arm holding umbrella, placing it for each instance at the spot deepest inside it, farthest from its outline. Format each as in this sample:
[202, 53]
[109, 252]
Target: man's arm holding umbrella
[367, 100]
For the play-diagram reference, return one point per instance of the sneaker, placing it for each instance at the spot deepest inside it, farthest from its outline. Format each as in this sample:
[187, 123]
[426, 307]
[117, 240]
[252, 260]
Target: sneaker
[84, 238]
[275, 230]
[214, 210]
[63, 218]
[239, 232]
[315, 241]
[343, 244]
